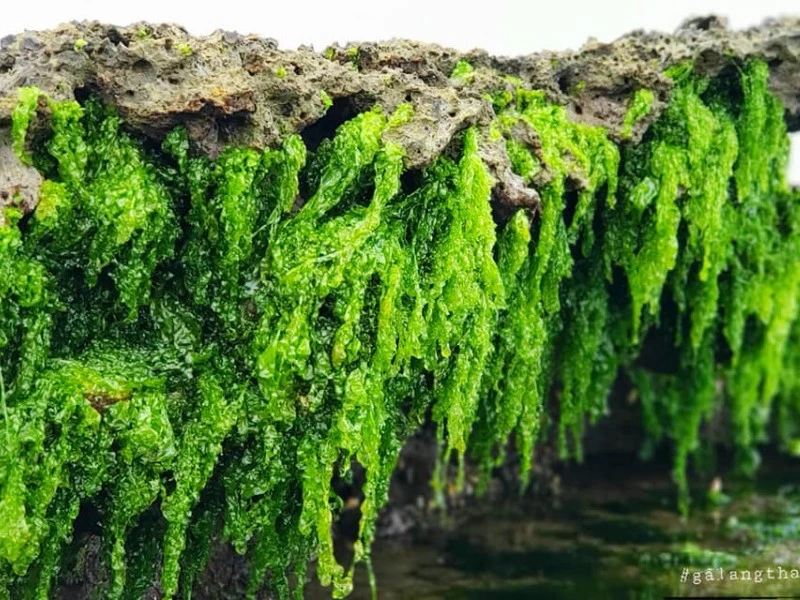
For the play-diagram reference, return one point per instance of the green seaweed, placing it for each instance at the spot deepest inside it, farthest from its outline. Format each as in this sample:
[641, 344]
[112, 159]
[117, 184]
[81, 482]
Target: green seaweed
[640, 106]
[198, 347]
[463, 70]
[519, 380]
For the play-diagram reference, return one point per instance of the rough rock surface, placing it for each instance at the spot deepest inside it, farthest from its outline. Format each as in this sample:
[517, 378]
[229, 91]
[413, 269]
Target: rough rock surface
[19, 184]
[233, 89]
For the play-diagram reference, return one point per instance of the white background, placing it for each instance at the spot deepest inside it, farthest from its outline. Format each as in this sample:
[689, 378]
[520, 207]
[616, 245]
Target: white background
[499, 26]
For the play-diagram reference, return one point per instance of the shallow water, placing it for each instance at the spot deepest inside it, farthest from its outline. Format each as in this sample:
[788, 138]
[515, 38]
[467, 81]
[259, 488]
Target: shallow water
[610, 537]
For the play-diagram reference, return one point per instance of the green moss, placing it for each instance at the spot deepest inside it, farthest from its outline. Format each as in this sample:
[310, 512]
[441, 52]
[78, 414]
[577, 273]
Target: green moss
[184, 50]
[197, 347]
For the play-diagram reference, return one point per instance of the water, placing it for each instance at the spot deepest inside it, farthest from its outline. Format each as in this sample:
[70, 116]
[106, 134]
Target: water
[613, 536]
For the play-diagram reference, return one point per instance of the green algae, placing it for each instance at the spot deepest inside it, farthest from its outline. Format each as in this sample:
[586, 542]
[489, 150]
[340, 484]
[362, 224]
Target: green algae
[640, 106]
[210, 342]
[21, 118]
[518, 382]
[463, 70]
[327, 102]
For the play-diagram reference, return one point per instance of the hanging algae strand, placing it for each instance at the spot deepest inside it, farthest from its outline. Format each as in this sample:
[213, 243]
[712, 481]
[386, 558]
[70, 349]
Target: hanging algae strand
[198, 347]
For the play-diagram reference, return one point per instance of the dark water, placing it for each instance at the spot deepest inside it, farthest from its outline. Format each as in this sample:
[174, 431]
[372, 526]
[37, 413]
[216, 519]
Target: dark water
[612, 536]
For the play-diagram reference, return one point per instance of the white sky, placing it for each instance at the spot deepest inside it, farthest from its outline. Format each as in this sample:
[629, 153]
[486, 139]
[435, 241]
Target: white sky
[499, 26]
